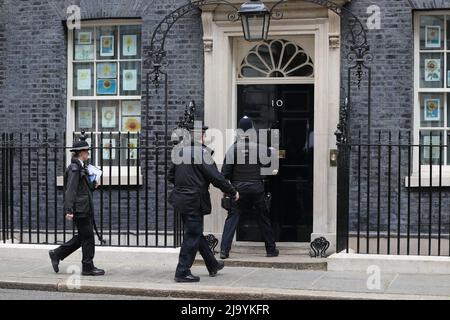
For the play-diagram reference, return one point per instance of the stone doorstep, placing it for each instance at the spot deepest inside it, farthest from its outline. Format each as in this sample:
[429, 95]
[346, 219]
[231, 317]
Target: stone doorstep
[389, 263]
[195, 291]
[294, 245]
[253, 254]
[262, 251]
[300, 265]
[283, 261]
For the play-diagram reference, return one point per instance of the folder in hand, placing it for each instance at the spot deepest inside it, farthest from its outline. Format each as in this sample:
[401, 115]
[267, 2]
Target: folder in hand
[94, 173]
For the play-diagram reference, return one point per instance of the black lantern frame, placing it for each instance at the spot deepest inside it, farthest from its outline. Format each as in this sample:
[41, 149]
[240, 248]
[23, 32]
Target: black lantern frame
[255, 12]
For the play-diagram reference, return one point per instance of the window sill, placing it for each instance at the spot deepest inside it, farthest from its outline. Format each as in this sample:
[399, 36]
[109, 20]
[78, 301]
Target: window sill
[426, 182]
[114, 180]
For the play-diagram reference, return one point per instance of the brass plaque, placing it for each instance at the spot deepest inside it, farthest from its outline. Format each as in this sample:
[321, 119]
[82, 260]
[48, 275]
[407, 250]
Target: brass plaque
[333, 158]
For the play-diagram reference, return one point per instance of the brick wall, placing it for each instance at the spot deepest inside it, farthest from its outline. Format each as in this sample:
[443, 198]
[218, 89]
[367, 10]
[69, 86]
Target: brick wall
[392, 107]
[36, 61]
[33, 93]
[33, 79]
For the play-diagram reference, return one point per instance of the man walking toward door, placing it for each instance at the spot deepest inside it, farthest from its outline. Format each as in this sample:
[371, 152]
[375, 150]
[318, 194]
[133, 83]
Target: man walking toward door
[245, 175]
[191, 178]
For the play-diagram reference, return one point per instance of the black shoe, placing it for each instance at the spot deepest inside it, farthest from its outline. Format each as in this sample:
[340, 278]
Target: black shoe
[188, 278]
[224, 255]
[55, 260]
[274, 253]
[94, 272]
[220, 265]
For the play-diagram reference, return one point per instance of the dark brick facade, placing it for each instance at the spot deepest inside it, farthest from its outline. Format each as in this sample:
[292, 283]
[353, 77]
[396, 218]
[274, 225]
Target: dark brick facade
[33, 93]
[33, 81]
[392, 108]
[36, 57]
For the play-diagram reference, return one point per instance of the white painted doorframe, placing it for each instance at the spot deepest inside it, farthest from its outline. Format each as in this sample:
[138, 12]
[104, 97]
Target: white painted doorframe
[221, 104]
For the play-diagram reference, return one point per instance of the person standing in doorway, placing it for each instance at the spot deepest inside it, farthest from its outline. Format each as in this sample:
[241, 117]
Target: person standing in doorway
[191, 175]
[245, 175]
[78, 206]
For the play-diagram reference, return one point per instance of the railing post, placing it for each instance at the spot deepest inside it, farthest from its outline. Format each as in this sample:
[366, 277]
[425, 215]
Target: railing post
[3, 200]
[342, 241]
[6, 186]
[156, 189]
[147, 147]
[11, 185]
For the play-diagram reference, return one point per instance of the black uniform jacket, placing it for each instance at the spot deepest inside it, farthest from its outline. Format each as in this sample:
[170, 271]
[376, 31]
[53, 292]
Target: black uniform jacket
[192, 179]
[235, 170]
[78, 190]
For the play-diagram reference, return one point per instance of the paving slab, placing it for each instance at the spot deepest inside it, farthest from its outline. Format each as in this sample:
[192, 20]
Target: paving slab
[421, 284]
[352, 282]
[285, 279]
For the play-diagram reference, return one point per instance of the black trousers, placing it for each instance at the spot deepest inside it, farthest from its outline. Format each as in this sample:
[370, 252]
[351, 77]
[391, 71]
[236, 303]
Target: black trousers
[84, 239]
[194, 241]
[251, 197]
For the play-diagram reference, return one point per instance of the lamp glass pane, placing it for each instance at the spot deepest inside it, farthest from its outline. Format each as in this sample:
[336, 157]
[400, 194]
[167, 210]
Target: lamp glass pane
[245, 28]
[255, 26]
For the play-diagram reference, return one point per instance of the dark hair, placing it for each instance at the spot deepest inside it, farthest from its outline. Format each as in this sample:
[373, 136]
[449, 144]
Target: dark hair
[76, 154]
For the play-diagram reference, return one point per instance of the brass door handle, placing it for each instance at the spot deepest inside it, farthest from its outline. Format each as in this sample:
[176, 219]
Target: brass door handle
[281, 154]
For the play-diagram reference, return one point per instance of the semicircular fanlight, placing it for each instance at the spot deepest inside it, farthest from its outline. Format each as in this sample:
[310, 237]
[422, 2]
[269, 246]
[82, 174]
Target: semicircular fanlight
[276, 59]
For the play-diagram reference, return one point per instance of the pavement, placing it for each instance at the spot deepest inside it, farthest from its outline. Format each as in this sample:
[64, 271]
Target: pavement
[11, 294]
[149, 273]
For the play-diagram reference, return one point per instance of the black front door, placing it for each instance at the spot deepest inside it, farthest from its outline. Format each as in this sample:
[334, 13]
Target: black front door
[290, 109]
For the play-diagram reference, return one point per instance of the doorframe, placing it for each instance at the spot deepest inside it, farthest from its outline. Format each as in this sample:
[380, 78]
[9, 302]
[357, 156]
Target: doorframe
[220, 77]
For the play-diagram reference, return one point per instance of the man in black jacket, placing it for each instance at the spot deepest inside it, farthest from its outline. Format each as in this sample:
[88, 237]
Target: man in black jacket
[78, 206]
[245, 175]
[192, 171]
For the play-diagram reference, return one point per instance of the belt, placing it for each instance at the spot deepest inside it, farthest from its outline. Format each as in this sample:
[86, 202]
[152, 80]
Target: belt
[191, 188]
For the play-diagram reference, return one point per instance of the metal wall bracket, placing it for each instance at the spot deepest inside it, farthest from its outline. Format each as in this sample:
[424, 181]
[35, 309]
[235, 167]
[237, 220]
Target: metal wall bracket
[319, 248]
[212, 242]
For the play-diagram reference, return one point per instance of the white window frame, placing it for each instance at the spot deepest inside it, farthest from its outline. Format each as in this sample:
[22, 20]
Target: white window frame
[425, 168]
[71, 99]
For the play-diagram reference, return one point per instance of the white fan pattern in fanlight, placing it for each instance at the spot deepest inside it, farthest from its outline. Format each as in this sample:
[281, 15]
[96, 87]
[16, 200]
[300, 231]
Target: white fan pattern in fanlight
[277, 59]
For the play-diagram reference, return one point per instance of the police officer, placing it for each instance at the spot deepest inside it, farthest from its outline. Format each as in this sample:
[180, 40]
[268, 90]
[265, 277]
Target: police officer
[245, 175]
[192, 172]
[78, 206]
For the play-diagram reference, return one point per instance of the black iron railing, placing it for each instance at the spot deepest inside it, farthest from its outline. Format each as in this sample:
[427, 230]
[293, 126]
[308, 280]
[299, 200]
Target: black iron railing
[130, 204]
[394, 195]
